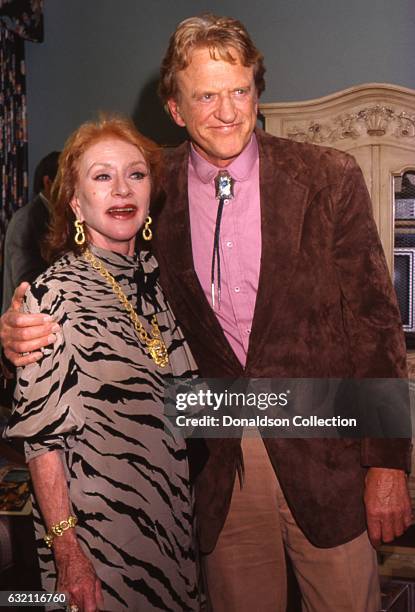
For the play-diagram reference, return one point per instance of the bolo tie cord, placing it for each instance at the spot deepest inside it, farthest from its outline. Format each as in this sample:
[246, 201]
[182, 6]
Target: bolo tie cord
[216, 254]
[224, 191]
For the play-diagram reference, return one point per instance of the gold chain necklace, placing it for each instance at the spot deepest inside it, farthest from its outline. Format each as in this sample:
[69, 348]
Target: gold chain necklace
[155, 344]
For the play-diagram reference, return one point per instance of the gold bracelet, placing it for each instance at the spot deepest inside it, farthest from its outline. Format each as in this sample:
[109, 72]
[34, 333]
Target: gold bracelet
[58, 529]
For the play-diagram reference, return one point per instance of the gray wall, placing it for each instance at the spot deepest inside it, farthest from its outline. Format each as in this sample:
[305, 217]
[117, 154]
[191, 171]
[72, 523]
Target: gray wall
[104, 55]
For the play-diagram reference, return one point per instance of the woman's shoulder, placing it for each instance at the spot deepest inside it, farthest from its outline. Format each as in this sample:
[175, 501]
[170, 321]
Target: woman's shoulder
[67, 269]
[62, 278]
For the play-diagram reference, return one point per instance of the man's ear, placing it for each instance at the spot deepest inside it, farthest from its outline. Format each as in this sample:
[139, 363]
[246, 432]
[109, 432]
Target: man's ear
[175, 112]
[46, 186]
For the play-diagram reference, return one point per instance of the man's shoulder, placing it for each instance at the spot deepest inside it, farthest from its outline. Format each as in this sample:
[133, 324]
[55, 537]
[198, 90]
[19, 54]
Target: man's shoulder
[21, 215]
[173, 157]
[297, 156]
[173, 175]
[28, 216]
[173, 151]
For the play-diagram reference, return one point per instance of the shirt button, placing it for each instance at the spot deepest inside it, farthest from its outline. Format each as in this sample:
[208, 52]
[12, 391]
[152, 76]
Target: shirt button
[248, 331]
[229, 244]
[237, 289]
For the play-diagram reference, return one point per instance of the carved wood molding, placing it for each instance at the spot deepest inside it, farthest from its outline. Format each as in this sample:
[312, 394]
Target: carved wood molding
[371, 121]
[366, 111]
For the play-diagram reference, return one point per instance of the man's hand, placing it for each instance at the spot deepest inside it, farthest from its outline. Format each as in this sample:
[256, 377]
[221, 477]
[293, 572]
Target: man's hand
[388, 506]
[22, 335]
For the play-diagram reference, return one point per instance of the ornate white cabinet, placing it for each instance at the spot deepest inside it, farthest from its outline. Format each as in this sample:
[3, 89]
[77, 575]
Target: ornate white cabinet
[373, 122]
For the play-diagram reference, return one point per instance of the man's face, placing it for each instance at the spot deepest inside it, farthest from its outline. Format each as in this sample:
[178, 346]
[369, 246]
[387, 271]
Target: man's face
[217, 103]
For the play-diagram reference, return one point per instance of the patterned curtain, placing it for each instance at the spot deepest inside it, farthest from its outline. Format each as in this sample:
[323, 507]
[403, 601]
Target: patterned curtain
[20, 20]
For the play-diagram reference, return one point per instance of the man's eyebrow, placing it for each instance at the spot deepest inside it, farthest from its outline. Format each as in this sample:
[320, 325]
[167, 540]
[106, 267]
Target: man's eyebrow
[196, 93]
[201, 92]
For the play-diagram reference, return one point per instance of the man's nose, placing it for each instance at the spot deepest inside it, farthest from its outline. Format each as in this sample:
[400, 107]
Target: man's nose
[226, 110]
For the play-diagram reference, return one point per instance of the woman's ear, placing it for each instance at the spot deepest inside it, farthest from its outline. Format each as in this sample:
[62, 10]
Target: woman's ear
[74, 204]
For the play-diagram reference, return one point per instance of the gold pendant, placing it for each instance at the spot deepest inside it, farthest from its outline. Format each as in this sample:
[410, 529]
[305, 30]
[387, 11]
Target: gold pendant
[158, 352]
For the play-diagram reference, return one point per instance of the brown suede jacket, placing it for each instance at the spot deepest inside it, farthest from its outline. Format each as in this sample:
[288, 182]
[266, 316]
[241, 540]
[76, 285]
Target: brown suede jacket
[325, 308]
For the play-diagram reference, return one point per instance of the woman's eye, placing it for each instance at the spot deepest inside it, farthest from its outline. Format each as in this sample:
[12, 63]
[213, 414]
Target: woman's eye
[102, 177]
[138, 176]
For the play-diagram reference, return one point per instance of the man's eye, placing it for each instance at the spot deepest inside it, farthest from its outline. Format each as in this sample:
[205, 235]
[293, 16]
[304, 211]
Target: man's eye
[138, 176]
[241, 91]
[206, 97]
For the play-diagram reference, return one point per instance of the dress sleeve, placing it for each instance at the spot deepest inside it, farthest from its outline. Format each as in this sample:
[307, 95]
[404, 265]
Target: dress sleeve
[47, 408]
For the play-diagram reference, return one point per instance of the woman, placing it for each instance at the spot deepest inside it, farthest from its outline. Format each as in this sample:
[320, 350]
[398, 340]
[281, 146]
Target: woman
[110, 477]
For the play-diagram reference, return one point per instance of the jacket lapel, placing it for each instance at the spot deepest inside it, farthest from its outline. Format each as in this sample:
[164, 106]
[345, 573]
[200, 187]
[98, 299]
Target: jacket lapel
[283, 203]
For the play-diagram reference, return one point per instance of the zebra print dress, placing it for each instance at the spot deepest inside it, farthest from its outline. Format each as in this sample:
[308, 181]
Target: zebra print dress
[98, 397]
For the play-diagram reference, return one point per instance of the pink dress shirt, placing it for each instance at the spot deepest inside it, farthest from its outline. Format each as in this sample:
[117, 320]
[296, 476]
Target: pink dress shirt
[240, 240]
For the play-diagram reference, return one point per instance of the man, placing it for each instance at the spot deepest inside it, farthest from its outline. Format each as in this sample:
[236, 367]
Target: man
[23, 260]
[300, 290]
[304, 292]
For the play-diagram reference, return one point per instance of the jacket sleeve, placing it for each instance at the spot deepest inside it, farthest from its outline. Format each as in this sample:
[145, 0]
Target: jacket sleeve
[371, 315]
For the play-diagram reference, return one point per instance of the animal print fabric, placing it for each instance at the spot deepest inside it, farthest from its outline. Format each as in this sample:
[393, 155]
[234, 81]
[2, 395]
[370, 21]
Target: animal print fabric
[98, 397]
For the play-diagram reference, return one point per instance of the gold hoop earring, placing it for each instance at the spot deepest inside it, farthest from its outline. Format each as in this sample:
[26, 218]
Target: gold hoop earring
[147, 233]
[80, 233]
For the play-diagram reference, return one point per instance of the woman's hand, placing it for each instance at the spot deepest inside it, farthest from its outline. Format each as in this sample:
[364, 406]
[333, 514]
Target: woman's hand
[77, 577]
[76, 574]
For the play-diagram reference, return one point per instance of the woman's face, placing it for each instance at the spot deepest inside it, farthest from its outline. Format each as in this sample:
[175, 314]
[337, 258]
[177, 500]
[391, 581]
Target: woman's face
[112, 194]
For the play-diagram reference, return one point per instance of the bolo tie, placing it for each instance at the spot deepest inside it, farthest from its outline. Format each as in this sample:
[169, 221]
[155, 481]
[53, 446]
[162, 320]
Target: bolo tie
[223, 192]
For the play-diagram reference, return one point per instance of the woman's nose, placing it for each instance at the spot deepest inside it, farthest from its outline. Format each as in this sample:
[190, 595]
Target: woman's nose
[121, 187]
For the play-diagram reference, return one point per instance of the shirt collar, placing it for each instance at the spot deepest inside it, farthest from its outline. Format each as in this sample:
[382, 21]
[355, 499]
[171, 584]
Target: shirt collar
[240, 168]
[45, 201]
